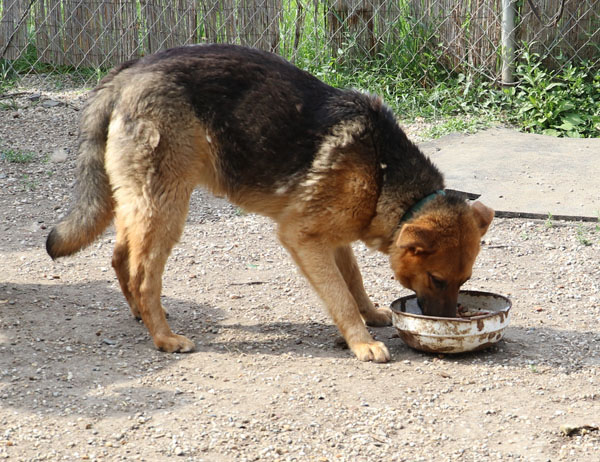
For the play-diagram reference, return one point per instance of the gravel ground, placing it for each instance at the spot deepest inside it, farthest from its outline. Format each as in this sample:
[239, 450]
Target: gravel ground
[80, 379]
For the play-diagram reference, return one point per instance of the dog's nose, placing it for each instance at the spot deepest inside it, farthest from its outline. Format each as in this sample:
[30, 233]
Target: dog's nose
[451, 311]
[437, 308]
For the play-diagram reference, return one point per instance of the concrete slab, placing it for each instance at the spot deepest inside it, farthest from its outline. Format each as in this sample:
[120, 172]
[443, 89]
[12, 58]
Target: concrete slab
[522, 172]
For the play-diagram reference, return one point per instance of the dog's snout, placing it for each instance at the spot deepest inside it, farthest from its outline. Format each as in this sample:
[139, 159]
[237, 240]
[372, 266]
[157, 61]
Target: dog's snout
[437, 307]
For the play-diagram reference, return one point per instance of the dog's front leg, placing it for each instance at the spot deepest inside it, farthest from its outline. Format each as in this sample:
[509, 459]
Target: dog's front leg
[317, 262]
[346, 262]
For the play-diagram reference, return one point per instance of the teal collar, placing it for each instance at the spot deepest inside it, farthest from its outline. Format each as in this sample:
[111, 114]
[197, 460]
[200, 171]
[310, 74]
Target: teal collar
[419, 205]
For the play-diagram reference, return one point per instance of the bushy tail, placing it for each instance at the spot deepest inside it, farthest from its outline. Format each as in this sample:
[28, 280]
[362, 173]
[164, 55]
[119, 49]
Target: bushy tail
[92, 211]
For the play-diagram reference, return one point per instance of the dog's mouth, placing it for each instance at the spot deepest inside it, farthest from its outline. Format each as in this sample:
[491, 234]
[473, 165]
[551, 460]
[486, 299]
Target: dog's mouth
[428, 312]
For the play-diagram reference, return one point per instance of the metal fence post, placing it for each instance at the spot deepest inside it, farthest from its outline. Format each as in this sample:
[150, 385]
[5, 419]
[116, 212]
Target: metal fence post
[508, 41]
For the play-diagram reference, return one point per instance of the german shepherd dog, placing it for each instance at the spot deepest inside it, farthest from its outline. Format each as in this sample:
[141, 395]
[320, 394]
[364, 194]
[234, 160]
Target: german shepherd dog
[329, 166]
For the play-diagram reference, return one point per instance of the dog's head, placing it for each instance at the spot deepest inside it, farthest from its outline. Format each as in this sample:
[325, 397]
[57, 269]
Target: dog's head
[433, 254]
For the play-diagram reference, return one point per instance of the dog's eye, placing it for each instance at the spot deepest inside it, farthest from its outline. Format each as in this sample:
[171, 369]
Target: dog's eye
[437, 282]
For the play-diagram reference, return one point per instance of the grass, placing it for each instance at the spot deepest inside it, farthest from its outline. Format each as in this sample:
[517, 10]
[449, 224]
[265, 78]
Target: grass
[587, 236]
[17, 157]
[533, 368]
[460, 103]
[29, 183]
[29, 63]
[563, 103]
[410, 78]
[582, 237]
[454, 125]
[9, 105]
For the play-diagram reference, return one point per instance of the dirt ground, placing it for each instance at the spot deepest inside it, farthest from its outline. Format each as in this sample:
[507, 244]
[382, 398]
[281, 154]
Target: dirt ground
[80, 379]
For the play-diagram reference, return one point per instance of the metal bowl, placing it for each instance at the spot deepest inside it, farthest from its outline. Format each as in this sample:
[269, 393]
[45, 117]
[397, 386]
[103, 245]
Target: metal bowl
[453, 335]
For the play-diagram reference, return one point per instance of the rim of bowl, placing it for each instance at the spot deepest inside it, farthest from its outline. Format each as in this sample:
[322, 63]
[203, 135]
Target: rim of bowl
[441, 318]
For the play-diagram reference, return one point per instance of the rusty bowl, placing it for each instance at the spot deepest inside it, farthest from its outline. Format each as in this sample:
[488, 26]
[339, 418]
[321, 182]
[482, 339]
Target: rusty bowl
[453, 335]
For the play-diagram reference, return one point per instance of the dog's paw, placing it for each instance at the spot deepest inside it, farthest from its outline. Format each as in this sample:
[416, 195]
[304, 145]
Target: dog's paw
[174, 343]
[378, 317]
[371, 351]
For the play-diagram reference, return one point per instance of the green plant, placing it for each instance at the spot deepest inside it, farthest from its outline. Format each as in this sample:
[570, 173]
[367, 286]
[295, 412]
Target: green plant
[548, 224]
[7, 77]
[582, 238]
[406, 67]
[460, 124]
[565, 102]
[17, 157]
[534, 368]
[29, 62]
[29, 183]
[9, 105]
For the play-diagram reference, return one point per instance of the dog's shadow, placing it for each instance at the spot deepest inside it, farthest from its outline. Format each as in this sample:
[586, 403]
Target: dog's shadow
[75, 338]
[94, 314]
[69, 340]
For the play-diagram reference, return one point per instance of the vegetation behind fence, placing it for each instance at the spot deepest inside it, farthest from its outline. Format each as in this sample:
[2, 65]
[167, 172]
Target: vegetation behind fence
[401, 44]
[460, 35]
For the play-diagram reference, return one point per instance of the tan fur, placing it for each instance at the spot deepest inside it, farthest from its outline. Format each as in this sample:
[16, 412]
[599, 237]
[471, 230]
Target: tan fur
[440, 246]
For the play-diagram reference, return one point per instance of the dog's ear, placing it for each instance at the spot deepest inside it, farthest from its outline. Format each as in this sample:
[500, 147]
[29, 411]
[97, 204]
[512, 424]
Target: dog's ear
[483, 216]
[416, 238]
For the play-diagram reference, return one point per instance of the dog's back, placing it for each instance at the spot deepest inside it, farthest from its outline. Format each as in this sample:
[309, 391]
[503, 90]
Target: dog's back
[266, 118]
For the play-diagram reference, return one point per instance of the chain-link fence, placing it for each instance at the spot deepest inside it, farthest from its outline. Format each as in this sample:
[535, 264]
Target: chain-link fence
[459, 36]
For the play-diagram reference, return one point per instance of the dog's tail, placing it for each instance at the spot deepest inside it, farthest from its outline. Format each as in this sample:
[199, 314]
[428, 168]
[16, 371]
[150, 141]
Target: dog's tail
[92, 210]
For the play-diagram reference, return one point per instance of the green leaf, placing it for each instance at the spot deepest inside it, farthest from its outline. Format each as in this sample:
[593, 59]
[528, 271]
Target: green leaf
[566, 106]
[566, 126]
[572, 118]
[526, 107]
[551, 132]
[574, 134]
[554, 84]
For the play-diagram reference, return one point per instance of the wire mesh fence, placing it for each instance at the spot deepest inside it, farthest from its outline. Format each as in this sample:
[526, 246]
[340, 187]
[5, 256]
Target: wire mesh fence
[407, 36]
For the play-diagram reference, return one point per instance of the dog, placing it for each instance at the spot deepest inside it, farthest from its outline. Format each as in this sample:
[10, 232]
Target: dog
[330, 166]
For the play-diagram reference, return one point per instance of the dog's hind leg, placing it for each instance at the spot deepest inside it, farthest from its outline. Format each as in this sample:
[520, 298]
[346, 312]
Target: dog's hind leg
[346, 262]
[120, 263]
[147, 236]
[317, 262]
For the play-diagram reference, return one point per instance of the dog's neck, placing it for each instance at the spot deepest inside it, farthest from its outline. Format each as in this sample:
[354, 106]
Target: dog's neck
[383, 228]
[406, 180]
[419, 205]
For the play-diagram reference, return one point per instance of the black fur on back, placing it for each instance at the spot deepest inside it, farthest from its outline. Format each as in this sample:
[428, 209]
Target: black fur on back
[260, 107]
[271, 117]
